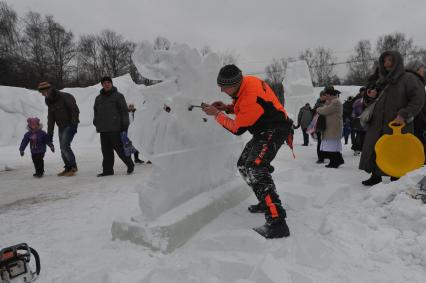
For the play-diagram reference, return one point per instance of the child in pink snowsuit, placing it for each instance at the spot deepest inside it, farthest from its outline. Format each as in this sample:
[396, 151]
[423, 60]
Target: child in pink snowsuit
[38, 140]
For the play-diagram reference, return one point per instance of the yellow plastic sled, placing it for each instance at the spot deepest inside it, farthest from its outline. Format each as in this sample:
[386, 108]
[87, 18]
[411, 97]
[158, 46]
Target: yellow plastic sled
[398, 154]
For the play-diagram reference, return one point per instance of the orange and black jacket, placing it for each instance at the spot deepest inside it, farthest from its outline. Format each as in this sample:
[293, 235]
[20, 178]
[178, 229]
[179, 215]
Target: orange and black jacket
[256, 109]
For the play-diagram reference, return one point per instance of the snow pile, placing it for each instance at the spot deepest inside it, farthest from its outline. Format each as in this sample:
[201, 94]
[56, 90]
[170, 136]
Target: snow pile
[192, 155]
[16, 105]
[388, 223]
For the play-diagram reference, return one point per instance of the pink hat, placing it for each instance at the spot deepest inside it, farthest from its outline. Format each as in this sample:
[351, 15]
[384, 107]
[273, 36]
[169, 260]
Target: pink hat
[33, 122]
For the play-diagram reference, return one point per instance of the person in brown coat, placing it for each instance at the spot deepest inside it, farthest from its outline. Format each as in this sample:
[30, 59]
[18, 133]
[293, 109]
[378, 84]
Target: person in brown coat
[331, 144]
[402, 98]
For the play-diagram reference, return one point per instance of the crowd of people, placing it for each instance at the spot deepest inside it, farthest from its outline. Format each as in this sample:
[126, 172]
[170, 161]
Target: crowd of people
[395, 93]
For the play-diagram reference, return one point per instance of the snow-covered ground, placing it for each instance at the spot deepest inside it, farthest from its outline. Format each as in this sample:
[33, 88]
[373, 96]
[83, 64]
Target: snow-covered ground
[340, 231]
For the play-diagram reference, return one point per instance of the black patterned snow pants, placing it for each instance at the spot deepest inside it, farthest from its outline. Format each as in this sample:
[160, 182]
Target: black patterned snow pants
[254, 165]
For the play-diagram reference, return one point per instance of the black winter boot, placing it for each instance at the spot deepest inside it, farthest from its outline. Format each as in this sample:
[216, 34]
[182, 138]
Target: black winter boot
[137, 160]
[277, 229]
[336, 160]
[373, 180]
[333, 161]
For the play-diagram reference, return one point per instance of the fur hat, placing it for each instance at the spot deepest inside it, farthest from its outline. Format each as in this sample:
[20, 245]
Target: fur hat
[331, 91]
[229, 75]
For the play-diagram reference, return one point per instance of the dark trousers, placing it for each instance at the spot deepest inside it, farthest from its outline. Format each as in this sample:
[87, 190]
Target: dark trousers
[353, 135]
[110, 142]
[136, 154]
[320, 153]
[305, 137]
[346, 133]
[359, 140]
[66, 135]
[38, 162]
[254, 164]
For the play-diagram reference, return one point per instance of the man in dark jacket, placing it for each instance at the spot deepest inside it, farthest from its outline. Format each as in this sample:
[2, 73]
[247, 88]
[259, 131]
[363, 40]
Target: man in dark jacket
[304, 118]
[62, 110]
[111, 119]
[347, 119]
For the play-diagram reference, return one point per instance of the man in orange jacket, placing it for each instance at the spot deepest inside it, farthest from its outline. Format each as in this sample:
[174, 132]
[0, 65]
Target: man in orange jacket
[257, 110]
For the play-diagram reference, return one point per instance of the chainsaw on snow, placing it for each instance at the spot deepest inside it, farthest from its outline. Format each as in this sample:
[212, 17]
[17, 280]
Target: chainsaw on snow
[15, 264]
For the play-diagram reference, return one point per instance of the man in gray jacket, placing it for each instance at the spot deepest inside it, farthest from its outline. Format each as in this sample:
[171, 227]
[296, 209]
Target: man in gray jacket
[111, 120]
[303, 120]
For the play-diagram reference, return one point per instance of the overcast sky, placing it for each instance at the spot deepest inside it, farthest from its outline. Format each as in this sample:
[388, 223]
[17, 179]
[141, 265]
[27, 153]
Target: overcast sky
[256, 30]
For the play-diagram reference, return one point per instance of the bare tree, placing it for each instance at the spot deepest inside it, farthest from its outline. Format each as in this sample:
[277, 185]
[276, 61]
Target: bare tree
[321, 64]
[397, 42]
[360, 63]
[161, 43]
[275, 72]
[115, 53]
[89, 57]
[324, 65]
[9, 33]
[62, 49]
[35, 38]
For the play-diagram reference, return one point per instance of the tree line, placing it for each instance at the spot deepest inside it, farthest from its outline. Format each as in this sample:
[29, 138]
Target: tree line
[361, 63]
[36, 47]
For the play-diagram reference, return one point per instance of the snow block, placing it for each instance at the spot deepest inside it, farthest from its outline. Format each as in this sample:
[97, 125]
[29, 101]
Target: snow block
[298, 87]
[173, 228]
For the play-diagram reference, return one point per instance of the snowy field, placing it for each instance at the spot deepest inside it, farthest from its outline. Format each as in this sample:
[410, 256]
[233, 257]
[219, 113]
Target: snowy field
[340, 231]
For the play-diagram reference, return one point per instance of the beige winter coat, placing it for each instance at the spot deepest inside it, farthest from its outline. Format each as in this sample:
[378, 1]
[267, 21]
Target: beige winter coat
[332, 111]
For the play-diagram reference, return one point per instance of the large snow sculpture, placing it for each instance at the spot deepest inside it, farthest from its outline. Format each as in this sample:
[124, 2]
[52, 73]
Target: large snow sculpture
[194, 158]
